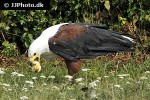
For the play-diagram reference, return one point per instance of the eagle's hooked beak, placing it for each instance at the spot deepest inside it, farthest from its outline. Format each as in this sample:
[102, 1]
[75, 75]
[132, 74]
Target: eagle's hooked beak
[34, 62]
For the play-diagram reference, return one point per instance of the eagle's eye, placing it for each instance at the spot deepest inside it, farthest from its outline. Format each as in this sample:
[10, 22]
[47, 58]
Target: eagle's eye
[36, 59]
[34, 54]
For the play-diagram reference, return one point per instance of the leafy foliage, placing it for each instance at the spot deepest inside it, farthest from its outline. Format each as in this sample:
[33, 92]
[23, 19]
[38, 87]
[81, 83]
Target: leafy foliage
[22, 27]
[9, 49]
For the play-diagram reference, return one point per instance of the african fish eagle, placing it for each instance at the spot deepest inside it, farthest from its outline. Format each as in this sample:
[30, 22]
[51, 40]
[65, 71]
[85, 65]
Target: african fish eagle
[73, 41]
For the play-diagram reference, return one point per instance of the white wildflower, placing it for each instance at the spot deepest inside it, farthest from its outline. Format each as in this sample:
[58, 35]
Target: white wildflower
[118, 86]
[29, 82]
[55, 88]
[6, 85]
[9, 89]
[20, 75]
[143, 78]
[34, 78]
[81, 84]
[2, 69]
[16, 84]
[2, 72]
[78, 79]
[69, 88]
[14, 73]
[128, 83]
[106, 76]
[23, 98]
[17, 74]
[44, 84]
[99, 78]
[52, 77]
[43, 76]
[92, 84]
[96, 81]
[93, 94]
[147, 72]
[85, 69]
[123, 75]
[25, 89]
[68, 77]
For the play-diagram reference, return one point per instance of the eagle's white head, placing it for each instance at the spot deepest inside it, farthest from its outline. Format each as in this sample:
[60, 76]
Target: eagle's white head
[35, 48]
[34, 53]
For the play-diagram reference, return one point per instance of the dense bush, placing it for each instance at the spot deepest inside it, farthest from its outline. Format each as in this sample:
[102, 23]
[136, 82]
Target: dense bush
[20, 27]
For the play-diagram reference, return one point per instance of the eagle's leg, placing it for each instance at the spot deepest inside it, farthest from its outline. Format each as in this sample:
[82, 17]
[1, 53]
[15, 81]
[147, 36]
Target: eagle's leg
[73, 66]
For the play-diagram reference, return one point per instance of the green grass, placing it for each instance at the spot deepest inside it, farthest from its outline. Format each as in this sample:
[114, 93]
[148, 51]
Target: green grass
[101, 82]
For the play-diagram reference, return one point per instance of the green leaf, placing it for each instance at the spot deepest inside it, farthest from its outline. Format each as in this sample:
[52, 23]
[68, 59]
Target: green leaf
[7, 28]
[30, 36]
[26, 44]
[32, 13]
[54, 22]
[5, 12]
[77, 6]
[14, 13]
[107, 5]
[13, 24]
[102, 1]
[22, 22]
[26, 29]
[24, 35]
[135, 18]
[5, 43]
[1, 24]
[147, 17]
[122, 20]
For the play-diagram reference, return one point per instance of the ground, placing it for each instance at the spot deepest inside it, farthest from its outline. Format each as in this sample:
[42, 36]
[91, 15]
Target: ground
[122, 76]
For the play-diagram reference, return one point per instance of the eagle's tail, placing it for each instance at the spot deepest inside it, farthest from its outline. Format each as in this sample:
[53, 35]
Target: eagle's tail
[112, 42]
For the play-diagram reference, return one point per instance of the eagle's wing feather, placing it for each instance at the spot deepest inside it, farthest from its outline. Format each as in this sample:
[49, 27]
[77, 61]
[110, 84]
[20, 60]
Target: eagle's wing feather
[84, 41]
